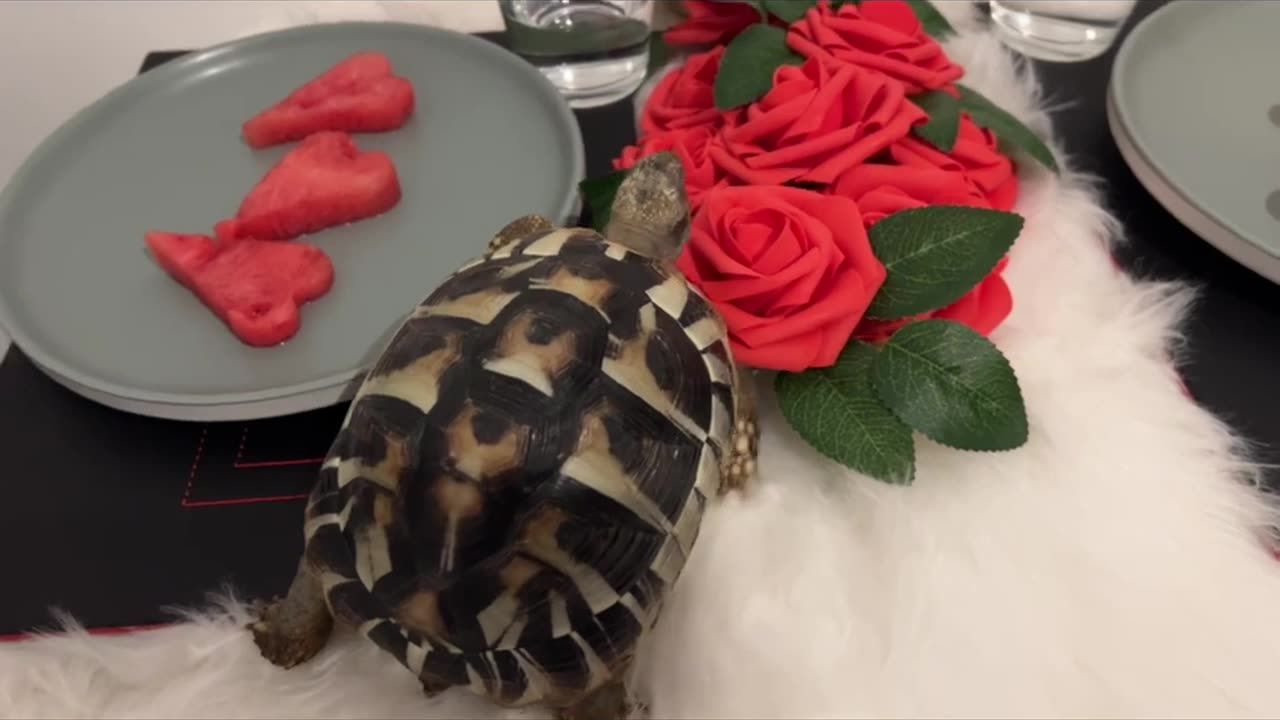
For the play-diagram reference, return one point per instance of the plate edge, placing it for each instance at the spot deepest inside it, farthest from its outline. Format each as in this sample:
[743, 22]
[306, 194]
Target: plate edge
[1208, 229]
[1203, 222]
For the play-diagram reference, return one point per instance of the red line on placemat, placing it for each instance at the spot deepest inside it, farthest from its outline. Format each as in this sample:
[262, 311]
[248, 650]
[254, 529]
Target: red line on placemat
[187, 502]
[239, 463]
[241, 501]
[195, 466]
[278, 463]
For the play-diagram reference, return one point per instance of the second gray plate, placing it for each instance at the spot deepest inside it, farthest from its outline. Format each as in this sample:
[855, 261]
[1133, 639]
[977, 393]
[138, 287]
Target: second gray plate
[490, 140]
[1194, 111]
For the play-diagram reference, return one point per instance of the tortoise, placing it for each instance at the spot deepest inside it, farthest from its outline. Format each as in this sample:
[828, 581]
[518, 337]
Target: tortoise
[522, 473]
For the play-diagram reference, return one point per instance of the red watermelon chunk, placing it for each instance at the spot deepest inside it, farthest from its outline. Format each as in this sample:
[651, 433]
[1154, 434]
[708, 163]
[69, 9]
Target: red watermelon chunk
[359, 94]
[325, 181]
[256, 287]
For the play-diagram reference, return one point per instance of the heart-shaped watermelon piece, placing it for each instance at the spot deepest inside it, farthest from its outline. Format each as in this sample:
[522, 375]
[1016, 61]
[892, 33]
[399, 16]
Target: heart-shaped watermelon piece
[325, 181]
[360, 94]
[256, 287]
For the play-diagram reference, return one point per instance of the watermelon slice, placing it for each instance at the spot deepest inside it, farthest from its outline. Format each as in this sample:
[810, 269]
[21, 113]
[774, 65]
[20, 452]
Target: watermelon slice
[359, 94]
[325, 181]
[255, 286]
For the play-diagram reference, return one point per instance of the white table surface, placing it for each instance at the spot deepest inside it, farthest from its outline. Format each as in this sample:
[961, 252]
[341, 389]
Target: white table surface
[56, 56]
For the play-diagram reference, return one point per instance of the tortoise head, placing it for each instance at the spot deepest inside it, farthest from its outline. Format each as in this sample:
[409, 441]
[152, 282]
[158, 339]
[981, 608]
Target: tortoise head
[650, 212]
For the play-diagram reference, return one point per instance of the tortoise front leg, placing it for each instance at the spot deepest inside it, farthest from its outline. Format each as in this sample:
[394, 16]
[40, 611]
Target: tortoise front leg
[516, 229]
[744, 443]
[293, 630]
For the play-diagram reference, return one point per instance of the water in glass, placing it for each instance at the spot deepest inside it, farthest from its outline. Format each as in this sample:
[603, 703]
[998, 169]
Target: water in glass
[1060, 30]
[594, 51]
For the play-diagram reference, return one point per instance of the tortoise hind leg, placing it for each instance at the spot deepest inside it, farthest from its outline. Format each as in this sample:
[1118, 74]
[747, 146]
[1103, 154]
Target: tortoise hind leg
[607, 702]
[292, 630]
[432, 687]
[740, 460]
[518, 228]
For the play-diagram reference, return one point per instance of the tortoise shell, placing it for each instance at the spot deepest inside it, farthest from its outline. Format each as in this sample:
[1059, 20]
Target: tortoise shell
[523, 472]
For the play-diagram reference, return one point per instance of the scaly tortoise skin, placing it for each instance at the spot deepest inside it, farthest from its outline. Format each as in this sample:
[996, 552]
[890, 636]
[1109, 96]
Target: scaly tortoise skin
[522, 474]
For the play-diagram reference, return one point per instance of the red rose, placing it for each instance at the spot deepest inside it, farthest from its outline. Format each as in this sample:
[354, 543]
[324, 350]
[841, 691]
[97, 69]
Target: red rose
[882, 190]
[690, 145]
[791, 271]
[685, 97]
[885, 36]
[817, 122]
[710, 23]
[975, 156]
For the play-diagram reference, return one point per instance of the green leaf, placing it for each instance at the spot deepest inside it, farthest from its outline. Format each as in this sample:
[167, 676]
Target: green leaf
[953, 385]
[933, 21]
[936, 254]
[1008, 129]
[837, 411]
[944, 119]
[789, 11]
[597, 194]
[746, 70]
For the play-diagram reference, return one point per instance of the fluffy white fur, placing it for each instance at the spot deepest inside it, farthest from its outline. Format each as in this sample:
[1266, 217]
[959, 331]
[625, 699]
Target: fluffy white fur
[1112, 567]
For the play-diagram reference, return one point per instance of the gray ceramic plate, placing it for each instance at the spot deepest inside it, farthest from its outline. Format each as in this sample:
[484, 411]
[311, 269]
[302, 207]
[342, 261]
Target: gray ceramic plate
[1195, 110]
[491, 140]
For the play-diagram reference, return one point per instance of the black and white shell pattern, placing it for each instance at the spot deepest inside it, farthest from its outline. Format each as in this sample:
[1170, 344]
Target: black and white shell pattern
[524, 471]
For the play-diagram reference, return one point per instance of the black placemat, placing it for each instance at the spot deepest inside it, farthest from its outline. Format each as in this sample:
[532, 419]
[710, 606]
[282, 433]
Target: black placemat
[1232, 352]
[113, 516]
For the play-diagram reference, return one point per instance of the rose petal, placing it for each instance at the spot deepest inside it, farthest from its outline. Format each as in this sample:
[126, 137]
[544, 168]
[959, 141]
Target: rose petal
[817, 122]
[984, 307]
[737, 169]
[897, 17]
[829, 86]
[685, 98]
[1004, 195]
[885, 37]
[707, 22]
[865, 148]
[843, 213]
[796, 295]
[760, 122]
[881, 190]
[738, 288]
[739, 321]
[790, 244]
[794, 356]
[752, 233]
[714, 256]
[976, 157]
[845, 299]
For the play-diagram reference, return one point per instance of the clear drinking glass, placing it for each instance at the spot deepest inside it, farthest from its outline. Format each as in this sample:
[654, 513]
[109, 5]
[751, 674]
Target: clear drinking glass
[594, 51]
[1060, 30]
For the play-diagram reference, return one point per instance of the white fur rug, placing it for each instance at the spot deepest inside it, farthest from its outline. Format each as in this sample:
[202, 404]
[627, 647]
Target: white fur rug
[1112, 567]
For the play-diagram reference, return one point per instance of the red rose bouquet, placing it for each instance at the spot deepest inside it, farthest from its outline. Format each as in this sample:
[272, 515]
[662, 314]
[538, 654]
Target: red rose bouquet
[852, 210]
